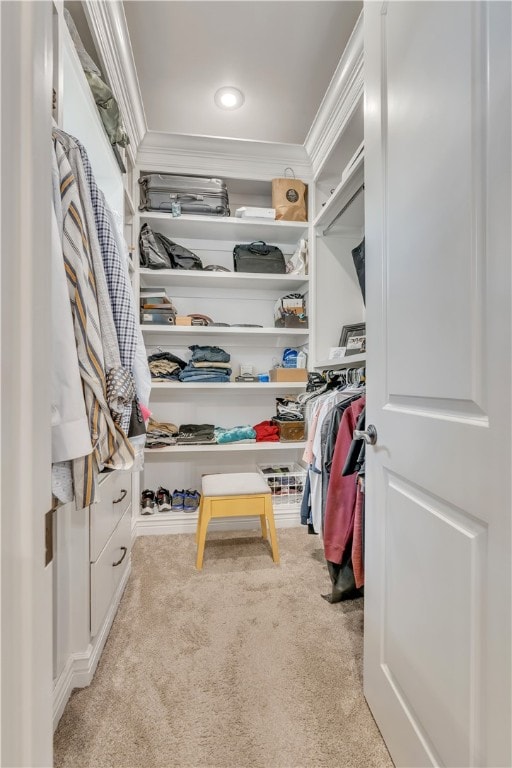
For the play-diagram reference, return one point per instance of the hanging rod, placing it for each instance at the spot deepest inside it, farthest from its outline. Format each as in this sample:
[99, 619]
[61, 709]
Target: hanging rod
[347, 205]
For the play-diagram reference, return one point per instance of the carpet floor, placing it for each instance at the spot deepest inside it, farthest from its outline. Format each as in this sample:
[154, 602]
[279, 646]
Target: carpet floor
[242, 665]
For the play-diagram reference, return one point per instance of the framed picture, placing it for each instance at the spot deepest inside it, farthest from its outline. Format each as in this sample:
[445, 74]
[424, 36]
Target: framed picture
[353, 337]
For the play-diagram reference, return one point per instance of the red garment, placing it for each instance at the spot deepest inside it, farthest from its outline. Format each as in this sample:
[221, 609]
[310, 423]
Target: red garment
[357, 542]
[266, 432]
[341, 495]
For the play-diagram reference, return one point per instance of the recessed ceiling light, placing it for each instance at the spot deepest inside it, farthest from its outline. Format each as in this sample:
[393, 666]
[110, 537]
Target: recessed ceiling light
[229, 97]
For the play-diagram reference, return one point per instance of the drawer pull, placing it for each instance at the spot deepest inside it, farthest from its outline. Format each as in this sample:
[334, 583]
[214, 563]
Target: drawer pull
[122, 496]
[124, 550]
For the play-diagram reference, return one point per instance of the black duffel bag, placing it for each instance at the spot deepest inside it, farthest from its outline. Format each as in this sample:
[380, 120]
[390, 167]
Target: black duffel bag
[158, 252]
[259, 257]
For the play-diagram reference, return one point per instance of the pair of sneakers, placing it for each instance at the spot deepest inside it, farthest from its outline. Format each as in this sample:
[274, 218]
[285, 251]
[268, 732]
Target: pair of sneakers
[152, 502]
[185, 501]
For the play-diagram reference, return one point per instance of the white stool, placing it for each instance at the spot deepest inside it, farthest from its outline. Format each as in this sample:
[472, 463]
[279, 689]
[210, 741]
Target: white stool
[245, 494]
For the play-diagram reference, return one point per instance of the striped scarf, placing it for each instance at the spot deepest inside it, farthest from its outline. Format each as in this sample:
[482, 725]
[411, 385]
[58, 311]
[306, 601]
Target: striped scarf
[111, 447]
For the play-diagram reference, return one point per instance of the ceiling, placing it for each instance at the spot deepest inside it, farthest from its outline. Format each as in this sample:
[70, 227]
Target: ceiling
[281, 55]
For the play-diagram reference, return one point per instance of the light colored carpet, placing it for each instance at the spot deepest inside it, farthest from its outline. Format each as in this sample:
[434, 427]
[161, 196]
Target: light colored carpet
[242, 665]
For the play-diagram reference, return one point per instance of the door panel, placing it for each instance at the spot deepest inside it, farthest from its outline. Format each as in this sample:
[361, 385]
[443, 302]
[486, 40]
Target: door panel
[438, 549]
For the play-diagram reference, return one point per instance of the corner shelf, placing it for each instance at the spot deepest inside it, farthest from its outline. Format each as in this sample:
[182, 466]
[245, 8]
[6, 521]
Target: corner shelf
[224, 448]
[341, 197]
[346, 362]
[205, 279]
[225, 228]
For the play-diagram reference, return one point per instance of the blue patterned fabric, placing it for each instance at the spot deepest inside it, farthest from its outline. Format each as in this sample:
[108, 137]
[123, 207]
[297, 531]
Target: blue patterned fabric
[234, 434]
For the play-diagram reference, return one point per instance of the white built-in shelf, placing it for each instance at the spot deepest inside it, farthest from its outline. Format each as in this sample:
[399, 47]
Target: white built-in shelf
[195, 278]
[224, 448]
[270, 386]
[348, 186]
[272, 334]
[129, 202]
[352, 361]
[225, 228]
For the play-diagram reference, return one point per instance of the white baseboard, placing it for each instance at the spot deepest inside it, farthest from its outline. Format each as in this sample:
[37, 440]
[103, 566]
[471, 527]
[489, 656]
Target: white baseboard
[186, 522]
[80, 667]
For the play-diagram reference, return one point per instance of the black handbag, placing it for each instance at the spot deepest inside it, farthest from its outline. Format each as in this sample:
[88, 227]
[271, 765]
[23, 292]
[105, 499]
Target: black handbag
[259, 257]
[358, 254]
[158, 252]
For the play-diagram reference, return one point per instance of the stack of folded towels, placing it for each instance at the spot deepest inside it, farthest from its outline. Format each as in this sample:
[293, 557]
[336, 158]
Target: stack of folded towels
[207, 364]
[196, 434]
[165, 367]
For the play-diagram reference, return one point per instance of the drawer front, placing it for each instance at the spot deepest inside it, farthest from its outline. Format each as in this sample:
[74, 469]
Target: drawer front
[108, 570]
[116, 496]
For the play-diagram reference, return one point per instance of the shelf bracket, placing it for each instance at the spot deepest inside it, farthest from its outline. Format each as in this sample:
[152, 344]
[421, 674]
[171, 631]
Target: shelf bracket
[345, 207]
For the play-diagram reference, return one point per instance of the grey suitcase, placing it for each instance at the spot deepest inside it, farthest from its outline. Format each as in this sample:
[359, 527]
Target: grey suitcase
[198, 195]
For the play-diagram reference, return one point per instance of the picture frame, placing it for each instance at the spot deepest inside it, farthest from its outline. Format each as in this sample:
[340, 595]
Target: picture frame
[353, 337]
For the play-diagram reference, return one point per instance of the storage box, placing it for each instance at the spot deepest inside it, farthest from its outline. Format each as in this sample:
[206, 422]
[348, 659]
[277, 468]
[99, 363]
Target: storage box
[288, 374]
[290, 431]
[183, 320]
[286, 483]
[157, 317]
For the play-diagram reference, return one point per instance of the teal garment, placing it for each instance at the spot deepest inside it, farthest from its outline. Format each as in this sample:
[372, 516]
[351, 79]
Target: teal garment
[234, 434]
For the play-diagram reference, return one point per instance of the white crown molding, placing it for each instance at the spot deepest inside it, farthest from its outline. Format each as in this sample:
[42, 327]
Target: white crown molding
[109, 29]
[343, 93]
[215, 156]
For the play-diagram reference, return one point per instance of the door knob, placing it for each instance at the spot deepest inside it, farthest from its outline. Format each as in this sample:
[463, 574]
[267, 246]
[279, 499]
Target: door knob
[368, 435]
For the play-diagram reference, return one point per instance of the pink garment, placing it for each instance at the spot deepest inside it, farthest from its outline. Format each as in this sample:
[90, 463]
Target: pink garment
[357, 542]
[341, 495]
[307, 457]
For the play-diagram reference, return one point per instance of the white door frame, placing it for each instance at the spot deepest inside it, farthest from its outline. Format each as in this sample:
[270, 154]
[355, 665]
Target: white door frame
[25, 450]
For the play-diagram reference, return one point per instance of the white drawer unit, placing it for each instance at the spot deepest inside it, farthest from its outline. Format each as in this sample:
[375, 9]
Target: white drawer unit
[116, 496]
[108, 570]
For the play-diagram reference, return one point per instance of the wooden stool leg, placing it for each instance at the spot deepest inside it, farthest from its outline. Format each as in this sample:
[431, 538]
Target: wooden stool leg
[199, 518]
[269, 513]
[205, 519]
[263, 526]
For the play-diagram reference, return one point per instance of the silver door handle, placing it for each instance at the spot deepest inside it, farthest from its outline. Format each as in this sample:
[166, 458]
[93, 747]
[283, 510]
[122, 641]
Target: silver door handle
[369, 435]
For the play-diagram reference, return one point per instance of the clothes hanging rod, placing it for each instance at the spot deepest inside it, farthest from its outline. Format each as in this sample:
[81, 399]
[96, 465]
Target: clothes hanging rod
[345, 207]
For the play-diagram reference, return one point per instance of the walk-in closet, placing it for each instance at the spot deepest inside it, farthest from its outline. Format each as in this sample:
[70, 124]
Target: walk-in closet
[256, 383]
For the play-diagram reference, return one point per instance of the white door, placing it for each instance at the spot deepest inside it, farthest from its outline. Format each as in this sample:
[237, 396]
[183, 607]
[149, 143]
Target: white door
[438, 253]
[26, 608]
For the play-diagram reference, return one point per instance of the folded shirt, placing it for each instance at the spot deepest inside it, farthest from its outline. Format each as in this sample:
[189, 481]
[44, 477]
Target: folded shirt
[198, 434]
[201, 354]
[266, 432]
[234, 434]
[164, 366]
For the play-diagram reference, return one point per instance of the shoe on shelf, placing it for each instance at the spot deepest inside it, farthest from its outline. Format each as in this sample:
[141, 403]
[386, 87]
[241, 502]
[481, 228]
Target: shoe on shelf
[191, 502]
[147, 502]
[163, 500]
[178, 498]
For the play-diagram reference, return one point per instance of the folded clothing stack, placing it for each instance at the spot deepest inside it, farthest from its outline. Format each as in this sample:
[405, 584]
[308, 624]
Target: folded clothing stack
[288, 409]
[160, 434]
[210, 364]
[196, 434]
[165, 367]
[266, 432]
[243, 434]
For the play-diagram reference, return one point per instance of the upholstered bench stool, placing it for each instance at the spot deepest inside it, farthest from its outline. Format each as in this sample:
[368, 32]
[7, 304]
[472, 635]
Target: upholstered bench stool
[245, 494]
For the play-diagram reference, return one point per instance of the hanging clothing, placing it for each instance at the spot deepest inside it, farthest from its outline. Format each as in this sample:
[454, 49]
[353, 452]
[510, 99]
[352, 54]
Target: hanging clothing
[341, 495]
[86, 285]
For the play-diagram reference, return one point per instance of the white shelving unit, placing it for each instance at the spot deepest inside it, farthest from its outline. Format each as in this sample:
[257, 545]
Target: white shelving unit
[227, 297]
[346, 189]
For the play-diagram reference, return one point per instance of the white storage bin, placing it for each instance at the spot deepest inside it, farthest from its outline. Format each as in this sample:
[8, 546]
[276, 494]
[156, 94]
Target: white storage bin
[286, 482]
